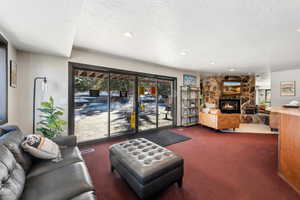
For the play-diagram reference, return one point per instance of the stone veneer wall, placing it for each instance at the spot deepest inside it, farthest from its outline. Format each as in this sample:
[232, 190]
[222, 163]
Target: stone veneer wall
[212, 92]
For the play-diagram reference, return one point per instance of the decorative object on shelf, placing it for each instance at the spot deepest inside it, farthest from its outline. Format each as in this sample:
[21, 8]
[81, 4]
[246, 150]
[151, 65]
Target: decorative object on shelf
[44, 86]
[292, 104]
[13, 74]
[287, 88]
[51, 124]
[191, 99]
[189, 80]
[231, 87]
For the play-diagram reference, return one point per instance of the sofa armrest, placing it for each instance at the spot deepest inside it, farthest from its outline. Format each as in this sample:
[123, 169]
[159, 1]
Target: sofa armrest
[70, 140]
[9, 128]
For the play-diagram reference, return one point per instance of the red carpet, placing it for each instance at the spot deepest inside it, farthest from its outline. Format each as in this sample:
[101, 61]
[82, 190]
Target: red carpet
[218, 166]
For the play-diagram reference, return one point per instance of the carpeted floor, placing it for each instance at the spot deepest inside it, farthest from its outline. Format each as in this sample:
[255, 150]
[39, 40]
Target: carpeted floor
[218, 166]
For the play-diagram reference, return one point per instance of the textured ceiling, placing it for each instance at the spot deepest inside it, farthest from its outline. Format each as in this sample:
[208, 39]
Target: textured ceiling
[46, 26]
[247, 35]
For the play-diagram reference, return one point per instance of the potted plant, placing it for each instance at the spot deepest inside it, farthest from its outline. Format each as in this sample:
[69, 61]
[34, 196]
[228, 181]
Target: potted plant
[51, 123]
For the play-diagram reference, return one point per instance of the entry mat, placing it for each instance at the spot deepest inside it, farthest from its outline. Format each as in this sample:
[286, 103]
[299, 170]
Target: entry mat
[163, 137]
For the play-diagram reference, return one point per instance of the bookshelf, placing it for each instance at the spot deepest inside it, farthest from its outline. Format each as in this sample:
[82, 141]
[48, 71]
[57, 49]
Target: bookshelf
[191, 100]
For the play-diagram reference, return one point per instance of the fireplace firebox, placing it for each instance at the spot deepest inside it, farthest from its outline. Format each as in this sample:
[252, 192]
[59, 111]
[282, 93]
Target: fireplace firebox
[230, 105]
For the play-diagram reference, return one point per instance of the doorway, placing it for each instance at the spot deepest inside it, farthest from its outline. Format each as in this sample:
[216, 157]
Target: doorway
[106, 103]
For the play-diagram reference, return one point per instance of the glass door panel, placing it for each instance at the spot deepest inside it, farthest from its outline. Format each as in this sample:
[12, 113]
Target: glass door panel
[165, 103]
[90, 104]
[147, 114]
[122, 104]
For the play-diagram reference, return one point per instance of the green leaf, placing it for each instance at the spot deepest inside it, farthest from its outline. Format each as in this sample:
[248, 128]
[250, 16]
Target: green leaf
[50, 124]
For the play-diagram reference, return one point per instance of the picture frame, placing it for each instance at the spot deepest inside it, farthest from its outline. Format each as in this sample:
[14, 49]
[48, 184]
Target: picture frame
[231, 88]
[189, 80]
[288, 88]
[13, 74]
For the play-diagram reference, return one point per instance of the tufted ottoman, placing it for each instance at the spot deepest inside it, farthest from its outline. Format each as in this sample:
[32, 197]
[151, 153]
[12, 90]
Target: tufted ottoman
[147, 167]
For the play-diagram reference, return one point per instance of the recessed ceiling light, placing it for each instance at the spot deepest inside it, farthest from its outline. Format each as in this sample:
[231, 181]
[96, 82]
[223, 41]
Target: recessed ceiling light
[232, 69]
[298, 30]
[212, 63]
[183, 53]
[128, 34]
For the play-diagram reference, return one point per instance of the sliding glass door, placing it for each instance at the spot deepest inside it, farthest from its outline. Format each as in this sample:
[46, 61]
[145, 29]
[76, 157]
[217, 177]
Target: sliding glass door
[107, 103]
[147, 115]
[165, 103]
[91, 104]
[122, 104]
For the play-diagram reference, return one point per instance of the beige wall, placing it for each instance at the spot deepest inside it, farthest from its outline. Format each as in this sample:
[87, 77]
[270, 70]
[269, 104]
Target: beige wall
[56, 70]
[279, 76]
[13, 93]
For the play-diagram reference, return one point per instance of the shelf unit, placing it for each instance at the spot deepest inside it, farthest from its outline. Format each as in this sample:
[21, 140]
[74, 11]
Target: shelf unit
[191, 100]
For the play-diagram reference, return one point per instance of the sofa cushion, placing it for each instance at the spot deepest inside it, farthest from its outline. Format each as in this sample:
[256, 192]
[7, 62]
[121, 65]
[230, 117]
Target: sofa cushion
[12, 140]
[70, 155]
[12, 176]
[62, 183]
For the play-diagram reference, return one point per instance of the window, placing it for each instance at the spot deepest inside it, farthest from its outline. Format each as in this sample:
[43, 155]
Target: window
[3, 80]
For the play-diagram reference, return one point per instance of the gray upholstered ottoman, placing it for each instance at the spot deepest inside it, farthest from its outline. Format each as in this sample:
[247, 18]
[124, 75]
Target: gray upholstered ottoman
[147, 167]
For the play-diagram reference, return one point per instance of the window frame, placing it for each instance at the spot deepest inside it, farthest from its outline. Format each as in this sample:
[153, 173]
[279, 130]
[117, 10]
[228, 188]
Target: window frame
[4, 43]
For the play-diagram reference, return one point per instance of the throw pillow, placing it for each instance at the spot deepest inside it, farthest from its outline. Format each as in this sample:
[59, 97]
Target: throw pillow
[41, 147]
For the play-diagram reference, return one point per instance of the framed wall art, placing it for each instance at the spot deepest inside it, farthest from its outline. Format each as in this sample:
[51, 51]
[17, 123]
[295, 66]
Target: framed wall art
[13, 74]
[287, 88]
[189, 80]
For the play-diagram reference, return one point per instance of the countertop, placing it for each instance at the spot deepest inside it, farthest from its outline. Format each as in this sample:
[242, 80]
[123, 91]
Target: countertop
[290, 111]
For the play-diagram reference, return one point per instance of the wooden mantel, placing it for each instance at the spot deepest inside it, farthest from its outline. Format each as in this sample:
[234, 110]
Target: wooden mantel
[289, 145]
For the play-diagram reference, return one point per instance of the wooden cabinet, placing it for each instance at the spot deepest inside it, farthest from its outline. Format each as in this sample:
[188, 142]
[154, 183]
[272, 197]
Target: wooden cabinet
[219, 120]
[274, 120]
[289, 149]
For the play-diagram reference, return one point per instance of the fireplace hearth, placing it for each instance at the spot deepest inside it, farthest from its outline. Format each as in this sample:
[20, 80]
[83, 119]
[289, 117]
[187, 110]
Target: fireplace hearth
[230, 105]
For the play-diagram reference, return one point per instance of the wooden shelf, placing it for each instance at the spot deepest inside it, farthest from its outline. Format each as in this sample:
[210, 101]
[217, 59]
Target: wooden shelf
[190, 99]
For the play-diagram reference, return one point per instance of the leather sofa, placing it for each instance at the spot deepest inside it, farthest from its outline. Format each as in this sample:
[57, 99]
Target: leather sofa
[26, 178]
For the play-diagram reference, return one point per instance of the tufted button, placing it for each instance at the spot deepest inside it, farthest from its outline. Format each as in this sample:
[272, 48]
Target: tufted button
[145, 150]
[151, 153]
[160, 150]
[136, 144]
[135, 153]
[159, 157]
[167, 154]
[131, 149]
[154, 147]
[141, 157]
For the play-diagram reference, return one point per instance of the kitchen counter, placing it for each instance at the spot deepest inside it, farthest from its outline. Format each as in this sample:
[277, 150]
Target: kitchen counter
[289, 145]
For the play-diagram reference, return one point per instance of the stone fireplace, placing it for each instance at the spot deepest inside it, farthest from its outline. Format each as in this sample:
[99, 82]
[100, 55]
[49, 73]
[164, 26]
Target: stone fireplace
[230, 105]
[213, 93]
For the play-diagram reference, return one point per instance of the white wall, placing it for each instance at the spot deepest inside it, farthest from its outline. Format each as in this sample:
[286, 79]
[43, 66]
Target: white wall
[13, 93]
[276, 78]
[56, 71]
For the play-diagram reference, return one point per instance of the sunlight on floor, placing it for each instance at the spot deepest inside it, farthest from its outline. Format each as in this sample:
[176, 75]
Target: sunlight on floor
[252, 128]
